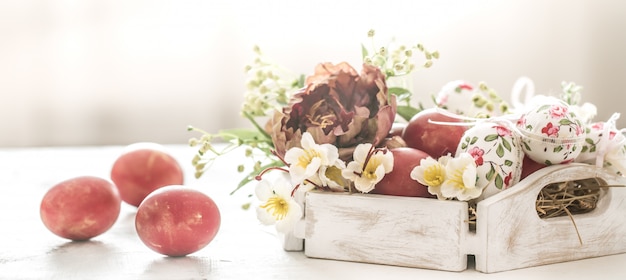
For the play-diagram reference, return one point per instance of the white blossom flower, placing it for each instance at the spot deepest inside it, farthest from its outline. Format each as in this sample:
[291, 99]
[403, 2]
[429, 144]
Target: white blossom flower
[369, 167]
[306, 161]
[461, 177]
[431, 173]
[277, 205]
[330, 176]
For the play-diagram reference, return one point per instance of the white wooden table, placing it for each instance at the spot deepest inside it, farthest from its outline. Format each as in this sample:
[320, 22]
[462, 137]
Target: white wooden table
[243, 249]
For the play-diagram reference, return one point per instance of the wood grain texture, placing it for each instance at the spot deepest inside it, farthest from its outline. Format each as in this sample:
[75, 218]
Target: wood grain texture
[511, 234]
[402, 231]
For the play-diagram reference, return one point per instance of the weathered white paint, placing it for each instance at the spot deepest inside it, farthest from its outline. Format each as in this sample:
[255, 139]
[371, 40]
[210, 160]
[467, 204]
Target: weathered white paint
[511, 234]
[428, 233]
[403, 231]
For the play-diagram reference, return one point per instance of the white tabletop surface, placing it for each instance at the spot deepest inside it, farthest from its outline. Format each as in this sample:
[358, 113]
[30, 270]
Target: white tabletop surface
[243, 249]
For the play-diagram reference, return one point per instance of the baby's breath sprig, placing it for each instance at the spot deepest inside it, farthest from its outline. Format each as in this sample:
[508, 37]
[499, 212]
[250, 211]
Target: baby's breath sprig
[268, 88]
[571, 93]
[490, 101]
[398, 61]
[258, 148]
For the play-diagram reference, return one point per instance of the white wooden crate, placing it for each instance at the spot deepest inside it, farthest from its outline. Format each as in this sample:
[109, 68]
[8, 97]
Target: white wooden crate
[433, 234]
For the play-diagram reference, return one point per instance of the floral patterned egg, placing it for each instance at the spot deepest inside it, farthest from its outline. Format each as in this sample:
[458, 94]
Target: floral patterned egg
[606, 143]
[462, 98]
[455, 97]
[497, 153]
[551, 133]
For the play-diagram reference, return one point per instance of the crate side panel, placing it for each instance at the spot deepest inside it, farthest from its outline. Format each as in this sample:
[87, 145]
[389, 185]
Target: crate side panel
[412, 232]
[515, 237]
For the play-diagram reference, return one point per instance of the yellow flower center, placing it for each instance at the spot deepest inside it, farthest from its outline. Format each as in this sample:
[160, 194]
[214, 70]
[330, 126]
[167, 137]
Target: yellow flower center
[457, 179]
[305, 159]
[334, 174]
[434, 175]
[369, 171]
[277, 207]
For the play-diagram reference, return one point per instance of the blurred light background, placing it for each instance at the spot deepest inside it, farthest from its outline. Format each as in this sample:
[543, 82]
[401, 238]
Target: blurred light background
[93, 72]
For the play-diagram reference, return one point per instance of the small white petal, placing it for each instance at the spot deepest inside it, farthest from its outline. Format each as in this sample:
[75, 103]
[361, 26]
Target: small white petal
[263, 190]
[295, 213]
[264, 217]
[361, 151]
[363, 185]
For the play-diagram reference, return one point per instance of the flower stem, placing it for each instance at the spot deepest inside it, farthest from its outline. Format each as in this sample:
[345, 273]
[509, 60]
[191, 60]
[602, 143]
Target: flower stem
[256, 125]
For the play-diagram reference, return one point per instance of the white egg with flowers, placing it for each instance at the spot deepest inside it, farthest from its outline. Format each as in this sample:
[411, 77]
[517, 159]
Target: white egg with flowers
[551, 132]
[497, 153]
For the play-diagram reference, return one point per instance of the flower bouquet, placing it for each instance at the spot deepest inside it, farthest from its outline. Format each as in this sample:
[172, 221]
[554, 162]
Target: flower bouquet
[366, 176]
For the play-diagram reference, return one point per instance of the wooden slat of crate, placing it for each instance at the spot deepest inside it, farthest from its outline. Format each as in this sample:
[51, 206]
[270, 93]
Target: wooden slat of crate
[402, 231]
[511, 235]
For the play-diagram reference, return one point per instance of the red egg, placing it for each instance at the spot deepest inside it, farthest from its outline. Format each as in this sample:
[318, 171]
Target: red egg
[177, 220]
[434, 139]
[398, 181]
[80, 208]
[143, 169]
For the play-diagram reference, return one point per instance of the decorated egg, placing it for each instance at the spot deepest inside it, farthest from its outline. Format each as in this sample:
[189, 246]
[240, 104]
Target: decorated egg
[462, 98]
[551, 133]
[497, 153]
[604, 146]
[455, 97]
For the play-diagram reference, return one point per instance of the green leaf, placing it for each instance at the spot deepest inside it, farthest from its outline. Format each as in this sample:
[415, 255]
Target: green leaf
[500, 151]
[526, 147]
[491, 137]
[490, 174]
[506, 144]
[558, 148]
[407, 112]
[543, 108]
[585, 148]
[589, 141]
[301, 80]
[499, 182]
[364, 51]
[508, 162]
[474, 139]
[463, 146]
[565, 122]
[402, 94]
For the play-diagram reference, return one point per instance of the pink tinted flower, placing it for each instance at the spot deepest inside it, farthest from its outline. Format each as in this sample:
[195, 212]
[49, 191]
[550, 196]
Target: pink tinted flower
[477, 153]
[557, 111]
[503, 131]
[550, 130]
[339, 107]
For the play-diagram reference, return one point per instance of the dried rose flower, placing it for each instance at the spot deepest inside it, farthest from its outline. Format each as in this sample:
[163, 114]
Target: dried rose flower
[338, 106]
